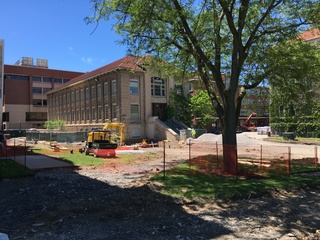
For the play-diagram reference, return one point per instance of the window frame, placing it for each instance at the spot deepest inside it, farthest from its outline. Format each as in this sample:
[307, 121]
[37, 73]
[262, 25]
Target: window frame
[134, 90]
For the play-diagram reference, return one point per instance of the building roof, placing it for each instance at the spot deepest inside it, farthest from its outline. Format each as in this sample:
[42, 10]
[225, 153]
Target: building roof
[128, 63]
[311, 35]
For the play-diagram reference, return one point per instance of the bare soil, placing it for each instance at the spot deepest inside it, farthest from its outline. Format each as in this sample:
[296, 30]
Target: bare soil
[117, 201]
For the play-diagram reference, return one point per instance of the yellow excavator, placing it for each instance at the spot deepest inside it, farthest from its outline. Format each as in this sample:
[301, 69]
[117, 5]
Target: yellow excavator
[118, 127]
[101, 143]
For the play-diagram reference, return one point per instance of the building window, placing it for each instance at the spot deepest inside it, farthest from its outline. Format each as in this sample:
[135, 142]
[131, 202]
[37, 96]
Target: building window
[47, 80]
[135, 133]
[114, 111]
[114, 87]
[88, 114]
[93, 92]
[281, 111]
[72, 97]
[134, 86]
[100, 112]
[37, 102]
[68, 98]
[99, 91]
[87, 93]
[93, 113]
[106, 89]
[66, 80]
[77, 96]
[134, 112]
[57, 80]
[36, 116]
[82, 95]
[82, 114]
[106, 112]
[158, 87]
[45, 90]
[44, 102]
[17, 77]
[36, 79]
[37, 90]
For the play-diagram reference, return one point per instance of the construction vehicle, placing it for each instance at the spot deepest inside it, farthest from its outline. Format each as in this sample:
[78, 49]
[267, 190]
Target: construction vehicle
[247, 125]
[102, 142]
[99, 144]
[118, 128]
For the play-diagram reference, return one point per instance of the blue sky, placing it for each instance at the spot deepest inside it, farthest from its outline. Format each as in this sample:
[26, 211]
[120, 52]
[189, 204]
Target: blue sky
[55, 30]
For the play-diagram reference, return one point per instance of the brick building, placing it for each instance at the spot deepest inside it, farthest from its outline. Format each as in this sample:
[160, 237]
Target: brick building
[25, 88]
[1, 78]
[124, 91]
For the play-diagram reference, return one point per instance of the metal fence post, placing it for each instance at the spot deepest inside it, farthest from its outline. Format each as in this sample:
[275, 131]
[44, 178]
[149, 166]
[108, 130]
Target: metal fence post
[189, 153]
[14, 150]
[25, 155]
[316, 156]
[260, 157]
[164, 160]
[217, 153]
[289, 161]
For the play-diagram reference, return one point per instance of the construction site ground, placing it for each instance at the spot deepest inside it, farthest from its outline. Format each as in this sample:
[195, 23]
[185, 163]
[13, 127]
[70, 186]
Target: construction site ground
[114, 201]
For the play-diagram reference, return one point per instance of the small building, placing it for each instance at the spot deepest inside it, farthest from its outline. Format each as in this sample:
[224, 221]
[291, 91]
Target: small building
[125, 91]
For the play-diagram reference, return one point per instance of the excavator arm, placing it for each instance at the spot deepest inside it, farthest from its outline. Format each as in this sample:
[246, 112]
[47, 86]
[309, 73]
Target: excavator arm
[116, 126]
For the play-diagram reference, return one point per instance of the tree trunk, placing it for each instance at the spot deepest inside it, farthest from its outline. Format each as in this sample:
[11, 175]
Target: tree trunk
[229, 140]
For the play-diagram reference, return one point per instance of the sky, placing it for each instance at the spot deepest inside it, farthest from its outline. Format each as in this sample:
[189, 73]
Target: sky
[55, 30]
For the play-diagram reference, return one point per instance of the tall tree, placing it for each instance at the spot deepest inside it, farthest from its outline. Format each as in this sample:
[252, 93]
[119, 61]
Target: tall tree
[213, 38]
[200, 107]
[294, 79]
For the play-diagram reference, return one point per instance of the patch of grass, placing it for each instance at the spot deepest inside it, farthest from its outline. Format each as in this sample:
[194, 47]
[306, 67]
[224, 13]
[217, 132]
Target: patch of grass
[297, 139]
[80, 159]
[183, 181]
[9, 169]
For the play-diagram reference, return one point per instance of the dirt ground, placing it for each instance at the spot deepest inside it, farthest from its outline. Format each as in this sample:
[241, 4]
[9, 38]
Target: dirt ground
[115, 201]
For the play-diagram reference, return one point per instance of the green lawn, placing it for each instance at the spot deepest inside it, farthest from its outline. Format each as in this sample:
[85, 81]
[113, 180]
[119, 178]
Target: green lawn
[80, 159]
[9, 169]
[183, 181]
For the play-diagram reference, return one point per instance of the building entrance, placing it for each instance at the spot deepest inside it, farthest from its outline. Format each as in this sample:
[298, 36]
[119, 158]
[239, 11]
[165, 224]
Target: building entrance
[160, 110]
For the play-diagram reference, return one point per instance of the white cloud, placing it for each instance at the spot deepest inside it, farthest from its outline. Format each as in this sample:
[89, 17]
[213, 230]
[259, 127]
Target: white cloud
[70, 48]
[88, 60]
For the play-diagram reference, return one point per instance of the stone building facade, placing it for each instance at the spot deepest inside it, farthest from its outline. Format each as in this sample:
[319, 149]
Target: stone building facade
[124, 91]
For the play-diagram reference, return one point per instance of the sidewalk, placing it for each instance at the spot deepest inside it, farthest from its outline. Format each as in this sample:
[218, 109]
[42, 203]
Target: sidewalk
[38, 162]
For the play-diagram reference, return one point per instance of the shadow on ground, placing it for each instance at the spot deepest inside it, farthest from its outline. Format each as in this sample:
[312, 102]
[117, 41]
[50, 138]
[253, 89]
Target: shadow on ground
[61, 204]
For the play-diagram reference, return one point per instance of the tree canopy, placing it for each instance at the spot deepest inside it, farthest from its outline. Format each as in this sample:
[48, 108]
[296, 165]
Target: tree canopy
[294, 79]
[212, 38]
[200, 107]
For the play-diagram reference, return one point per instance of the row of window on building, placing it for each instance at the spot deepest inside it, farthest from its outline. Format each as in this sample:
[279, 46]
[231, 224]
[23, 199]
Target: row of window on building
[158, 88]
[36, 78]
[90, 114]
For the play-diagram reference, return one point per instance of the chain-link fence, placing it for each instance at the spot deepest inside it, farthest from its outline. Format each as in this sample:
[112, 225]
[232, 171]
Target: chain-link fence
[60, 137]
[254, 160]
